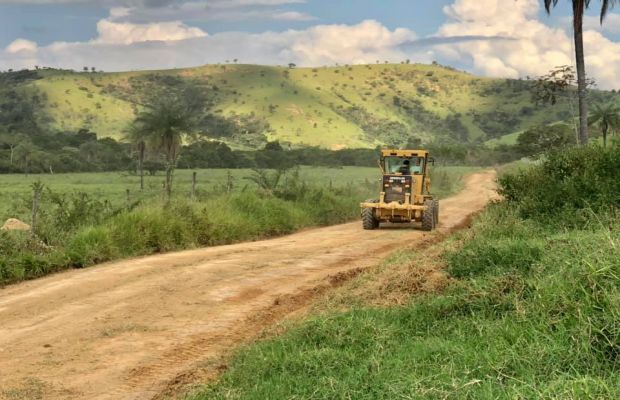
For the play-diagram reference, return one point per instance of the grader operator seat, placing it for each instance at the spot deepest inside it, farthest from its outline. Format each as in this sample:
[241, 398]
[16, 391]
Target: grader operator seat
[405, 193]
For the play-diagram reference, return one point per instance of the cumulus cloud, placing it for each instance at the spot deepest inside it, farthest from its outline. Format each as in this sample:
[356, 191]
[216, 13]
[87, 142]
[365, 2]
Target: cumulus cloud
[21, 46]
[319, 45]
[611, 24]
[214, 10]
[159, 3]
[519, 43]
[478, 35]
[111, 32]
[143, 11]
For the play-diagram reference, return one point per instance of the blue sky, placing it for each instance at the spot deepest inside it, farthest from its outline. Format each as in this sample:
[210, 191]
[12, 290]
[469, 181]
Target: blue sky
[47, 23]
[137, 34]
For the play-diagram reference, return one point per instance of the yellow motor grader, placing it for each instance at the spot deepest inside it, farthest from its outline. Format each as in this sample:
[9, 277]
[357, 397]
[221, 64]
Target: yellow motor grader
[405, 194]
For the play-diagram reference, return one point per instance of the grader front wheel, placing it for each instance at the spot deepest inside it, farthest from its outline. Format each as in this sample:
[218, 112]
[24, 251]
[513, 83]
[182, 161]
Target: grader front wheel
[430, 215]
[369, 221]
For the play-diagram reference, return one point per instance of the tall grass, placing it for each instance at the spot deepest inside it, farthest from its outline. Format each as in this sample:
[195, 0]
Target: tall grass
[77, 230]
[533, 311]
[156, 228]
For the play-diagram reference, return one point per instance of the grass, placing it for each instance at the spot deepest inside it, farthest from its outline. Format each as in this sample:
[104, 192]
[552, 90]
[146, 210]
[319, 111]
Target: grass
[509, 139]
[304, 106]
[518, 321]
[78, 229]
[516, 307]
[16, 191]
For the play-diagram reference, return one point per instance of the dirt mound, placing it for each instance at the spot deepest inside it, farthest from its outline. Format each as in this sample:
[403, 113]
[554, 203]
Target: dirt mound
[13, 224]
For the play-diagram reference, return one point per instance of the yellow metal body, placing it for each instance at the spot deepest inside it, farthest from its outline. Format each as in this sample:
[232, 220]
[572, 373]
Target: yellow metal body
[416, 193]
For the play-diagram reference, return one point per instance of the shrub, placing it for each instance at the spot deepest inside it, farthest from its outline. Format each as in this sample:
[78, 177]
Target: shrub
[566, 182]
[90, 246]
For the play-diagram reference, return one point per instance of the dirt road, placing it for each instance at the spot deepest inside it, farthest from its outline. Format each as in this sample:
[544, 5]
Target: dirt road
[128, 329]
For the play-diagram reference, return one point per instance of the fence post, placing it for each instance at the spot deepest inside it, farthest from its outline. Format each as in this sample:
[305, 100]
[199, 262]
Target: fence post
[37, 188]
[128, 198]
[229, 182]
[194, 185]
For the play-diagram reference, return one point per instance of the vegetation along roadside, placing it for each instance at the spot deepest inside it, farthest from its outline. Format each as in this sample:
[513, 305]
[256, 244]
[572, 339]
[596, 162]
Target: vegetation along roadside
[76, 229]
[523, 305]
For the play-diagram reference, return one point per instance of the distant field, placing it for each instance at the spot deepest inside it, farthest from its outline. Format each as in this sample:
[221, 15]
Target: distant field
[15, 190]
[509, 139]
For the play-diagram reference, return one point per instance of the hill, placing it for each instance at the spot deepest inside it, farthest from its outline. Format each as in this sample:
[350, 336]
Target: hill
[332, 107]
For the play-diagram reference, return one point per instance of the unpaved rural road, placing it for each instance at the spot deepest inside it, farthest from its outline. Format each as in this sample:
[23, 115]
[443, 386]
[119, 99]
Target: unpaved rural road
[130, 329]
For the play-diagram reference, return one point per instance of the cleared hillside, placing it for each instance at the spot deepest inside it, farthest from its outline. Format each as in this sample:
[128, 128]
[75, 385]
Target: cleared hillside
[335, 107]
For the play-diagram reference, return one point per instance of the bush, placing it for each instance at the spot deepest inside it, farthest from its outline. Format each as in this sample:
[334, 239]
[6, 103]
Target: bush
[500, 256]
[566, 182]
[77, 230]
[535, 314]
[90, 246]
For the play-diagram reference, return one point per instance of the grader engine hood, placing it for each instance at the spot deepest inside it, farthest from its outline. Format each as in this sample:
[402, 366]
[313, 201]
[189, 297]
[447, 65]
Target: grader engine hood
[396, 187]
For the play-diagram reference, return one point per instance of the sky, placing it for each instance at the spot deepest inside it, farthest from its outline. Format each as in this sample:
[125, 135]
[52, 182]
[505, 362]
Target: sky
[500, 38]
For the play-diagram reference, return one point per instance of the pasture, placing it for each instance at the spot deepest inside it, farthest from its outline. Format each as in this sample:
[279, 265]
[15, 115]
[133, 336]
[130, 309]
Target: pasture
[16, 189]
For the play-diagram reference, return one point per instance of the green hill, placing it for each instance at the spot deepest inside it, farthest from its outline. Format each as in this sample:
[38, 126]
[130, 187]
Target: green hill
[331, 107]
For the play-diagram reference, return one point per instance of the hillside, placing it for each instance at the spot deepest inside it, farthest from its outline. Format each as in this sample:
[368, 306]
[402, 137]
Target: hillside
[334, 107]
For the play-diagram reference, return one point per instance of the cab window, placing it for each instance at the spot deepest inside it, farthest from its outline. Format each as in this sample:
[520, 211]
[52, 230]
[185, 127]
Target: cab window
[396, 165]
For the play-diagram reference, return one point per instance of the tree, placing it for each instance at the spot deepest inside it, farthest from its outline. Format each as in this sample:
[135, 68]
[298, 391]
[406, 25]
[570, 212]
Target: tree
[292, 65]
[556, 85]
[26, 154]
[90, 150]
[540, 139]
[274, 146]
[606, 117]
[579, 7]
[163, 125]
[11, 141]
[138, 137]
[85, 69]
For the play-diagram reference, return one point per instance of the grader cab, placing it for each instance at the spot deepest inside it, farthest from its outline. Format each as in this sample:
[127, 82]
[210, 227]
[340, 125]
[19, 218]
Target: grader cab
[405, 192]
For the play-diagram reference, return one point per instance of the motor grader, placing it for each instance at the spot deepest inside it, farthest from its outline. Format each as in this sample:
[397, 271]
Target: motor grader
[405, 194]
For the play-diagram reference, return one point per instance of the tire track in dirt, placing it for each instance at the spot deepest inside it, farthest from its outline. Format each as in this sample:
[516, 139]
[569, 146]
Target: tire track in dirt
[131, 329]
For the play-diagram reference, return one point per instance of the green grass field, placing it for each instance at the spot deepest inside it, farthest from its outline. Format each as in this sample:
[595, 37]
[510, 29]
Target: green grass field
[16, 190]
[113, 186]
[86, 219]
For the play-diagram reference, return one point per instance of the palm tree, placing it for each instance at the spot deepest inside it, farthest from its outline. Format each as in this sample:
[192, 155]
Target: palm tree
[162, 126]
[607, 118]
[579, 7]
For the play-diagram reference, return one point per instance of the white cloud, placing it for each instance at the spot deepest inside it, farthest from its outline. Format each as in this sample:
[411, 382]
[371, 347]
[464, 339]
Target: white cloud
[479, 35]
[291, 16]
[237, 3]
[147, 11]
[215, 10]
[521, 44]
[21, 53]
[22, 46]
[127, 33]
[320, 45]
[159, 3]
[611, 24]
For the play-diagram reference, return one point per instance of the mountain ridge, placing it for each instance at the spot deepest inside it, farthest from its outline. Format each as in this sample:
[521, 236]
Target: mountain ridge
[350, 106]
